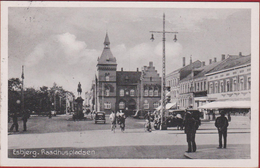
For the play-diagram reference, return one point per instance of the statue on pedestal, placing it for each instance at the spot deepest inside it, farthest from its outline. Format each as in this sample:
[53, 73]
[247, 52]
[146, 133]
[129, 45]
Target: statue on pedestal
[79, 89]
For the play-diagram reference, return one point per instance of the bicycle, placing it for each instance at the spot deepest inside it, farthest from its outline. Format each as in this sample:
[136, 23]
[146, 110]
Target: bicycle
[147, 126]
[113, 127]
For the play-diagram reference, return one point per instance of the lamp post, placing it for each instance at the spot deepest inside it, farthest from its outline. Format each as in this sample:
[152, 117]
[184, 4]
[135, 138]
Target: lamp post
[163, 90]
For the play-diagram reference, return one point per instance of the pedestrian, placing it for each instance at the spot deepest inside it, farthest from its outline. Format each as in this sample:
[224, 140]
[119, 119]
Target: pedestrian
[222, 123]
[112, 118]
[15, 122]
[191, 125]
[229, 117]
[25, 118]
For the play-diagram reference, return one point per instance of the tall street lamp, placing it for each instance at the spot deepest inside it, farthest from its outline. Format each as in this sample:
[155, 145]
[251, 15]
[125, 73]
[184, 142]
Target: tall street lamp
[163, 125]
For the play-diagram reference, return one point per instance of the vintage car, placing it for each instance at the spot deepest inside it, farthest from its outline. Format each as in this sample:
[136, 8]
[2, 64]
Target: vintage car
[175, 118]
[100, 117]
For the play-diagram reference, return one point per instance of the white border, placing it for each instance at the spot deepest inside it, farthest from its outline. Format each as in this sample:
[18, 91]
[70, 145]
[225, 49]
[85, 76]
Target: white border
[253, 162]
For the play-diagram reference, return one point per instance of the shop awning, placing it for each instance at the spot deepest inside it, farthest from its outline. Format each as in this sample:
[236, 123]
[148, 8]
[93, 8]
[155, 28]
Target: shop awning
[226, 105]
[168, 106]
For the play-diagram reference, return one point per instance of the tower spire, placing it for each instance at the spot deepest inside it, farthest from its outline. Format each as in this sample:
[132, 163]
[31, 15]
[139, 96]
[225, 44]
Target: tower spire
[106, 42]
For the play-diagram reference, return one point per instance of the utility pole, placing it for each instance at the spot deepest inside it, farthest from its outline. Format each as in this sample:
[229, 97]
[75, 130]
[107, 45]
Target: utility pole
[163, 90]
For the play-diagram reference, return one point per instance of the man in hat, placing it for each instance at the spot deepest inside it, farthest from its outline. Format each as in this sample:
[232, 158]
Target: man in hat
[222, 123]
[191, 126]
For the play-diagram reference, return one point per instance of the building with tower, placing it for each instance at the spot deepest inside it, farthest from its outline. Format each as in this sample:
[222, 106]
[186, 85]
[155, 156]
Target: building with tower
[124, 90]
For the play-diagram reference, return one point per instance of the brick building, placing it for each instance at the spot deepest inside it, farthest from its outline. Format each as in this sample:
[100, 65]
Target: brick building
[124, 90]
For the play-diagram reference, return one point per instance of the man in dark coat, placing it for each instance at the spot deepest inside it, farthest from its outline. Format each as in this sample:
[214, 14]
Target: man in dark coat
[25, 118]
[191, 126]
[222, 123]
[15, 123]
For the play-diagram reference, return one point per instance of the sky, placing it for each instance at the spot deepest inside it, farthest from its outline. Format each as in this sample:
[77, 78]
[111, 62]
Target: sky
[62, 44]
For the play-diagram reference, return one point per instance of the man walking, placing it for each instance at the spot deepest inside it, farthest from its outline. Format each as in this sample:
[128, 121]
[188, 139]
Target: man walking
[25, 118]
[15, 122]
[191, 126]
[222, 123]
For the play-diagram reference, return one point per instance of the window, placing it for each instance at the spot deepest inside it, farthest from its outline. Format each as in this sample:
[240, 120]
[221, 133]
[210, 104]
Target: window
[228, 86]
[132, 92]
[155, 105]
[234, 84]
[146, 92]
[150, 92]
[151, 79]
[146, 104]
[156, 92]
[211, 88]
[107, 78]
[107, 105]
[122, 92]
[242, 84]
[205, 85]
[221, 87]
[121, 105]
[201, 86]
[216, 87]
[107, 92]
[126, 78]
[249, 83]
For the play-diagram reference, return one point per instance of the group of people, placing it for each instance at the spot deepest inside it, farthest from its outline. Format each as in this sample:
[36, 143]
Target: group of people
[117, 118]
[15, 124]
[191, 125]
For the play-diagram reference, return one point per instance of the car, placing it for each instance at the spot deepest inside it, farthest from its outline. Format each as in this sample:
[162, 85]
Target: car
[100, 117]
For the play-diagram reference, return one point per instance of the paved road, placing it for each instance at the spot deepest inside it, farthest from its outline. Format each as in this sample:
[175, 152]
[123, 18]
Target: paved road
[134, 139]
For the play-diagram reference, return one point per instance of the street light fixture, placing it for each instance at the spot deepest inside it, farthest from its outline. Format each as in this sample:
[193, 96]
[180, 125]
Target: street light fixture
[163, 95]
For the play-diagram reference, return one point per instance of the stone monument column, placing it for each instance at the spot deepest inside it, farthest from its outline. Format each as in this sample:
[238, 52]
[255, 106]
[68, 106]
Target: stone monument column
[79, 105]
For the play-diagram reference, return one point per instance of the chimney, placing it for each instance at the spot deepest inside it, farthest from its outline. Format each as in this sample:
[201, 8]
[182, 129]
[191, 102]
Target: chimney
[215, 59]
[203, 63]
[183, 61]
[137, 70]
[240, 54]
[191, 59]
[122, 69]
[210, 61]
[222, 57]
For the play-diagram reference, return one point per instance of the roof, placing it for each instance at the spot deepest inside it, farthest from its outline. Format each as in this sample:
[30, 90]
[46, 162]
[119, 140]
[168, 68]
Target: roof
[187, 67]
[107, 57]
[203, 70]
[232, 61]
[127, 77]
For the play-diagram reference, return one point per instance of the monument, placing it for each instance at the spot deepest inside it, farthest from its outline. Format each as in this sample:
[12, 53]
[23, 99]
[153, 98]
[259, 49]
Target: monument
[79, 105]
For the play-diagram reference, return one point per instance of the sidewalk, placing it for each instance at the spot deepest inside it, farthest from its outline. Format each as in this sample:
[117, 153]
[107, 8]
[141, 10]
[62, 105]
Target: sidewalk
[241, 151]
